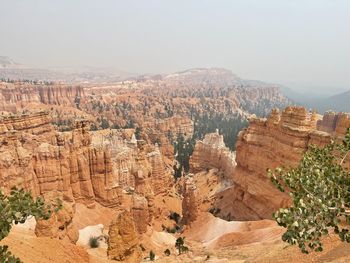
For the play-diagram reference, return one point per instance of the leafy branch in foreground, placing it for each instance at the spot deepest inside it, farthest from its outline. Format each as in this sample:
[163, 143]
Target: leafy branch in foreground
[16, 208]
[320, 191]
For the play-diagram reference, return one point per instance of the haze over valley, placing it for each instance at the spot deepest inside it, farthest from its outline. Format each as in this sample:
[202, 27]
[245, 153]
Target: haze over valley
[174, 131]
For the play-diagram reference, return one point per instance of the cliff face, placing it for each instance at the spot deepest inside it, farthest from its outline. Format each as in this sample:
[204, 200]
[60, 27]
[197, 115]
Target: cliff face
[189, 202]
[212, 153]
[160, 178]
[19, 135]
[162, 106]
[334, 123]
[175, 124]
[59, 225]
[124, 242]
[85, 166]
[279, 140]
[34, 156]
[15, 96]
[161, 131]
[140, 213]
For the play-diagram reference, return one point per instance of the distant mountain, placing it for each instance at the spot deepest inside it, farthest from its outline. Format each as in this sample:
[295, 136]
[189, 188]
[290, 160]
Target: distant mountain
[204, 76]
[6, 62]
[339, 102]
[9, 69]
[321, 103]
[255, 97]
[305, 99]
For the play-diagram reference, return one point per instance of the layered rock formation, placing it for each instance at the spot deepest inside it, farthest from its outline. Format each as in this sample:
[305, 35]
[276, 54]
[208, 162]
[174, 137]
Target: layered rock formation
[85, 167]
[123, 244]
[164, 130]
[36, 123]
[72, 166]
[19, 135]
[14, 96]
[60, 225]
[162, 106]
[145, 205]
[212, 153]
[176, 125]
[160, 179]
[189, 202]
[140, 213]
[334, 123]
[34, 156]
[142, 186]
[279, 140]
[123, 156]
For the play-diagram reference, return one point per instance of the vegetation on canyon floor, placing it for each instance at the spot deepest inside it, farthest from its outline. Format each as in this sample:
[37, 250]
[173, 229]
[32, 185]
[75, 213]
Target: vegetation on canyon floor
[167, 252]
[206, 123]
[320, 191]
[180, 245]
[94, 242]
[16, 208]
[152, 255]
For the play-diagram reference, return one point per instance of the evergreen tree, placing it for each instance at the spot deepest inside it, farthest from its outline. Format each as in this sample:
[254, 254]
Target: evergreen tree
[104, 124]
[138, 132]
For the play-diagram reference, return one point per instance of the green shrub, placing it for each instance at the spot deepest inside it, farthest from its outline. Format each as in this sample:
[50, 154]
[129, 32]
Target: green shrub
[320, 190]
[16, 208]
[171, 230]
[152, 256]
[180, 245]
[94, 242]
[175, 216]
[142, 247]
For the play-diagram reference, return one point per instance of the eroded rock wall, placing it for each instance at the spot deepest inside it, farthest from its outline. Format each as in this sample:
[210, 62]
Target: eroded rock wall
[334, 123]
[212, 153]
[85, 166]
[124, 242]
[60, 225]
[34, 156]
[279, 140]
[160, 178]
[14, 96]
[189, 202]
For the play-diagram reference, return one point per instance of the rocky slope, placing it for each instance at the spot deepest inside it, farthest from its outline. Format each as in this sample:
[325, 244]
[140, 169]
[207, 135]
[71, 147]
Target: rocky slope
[161, 105]
[120, 179]
[14, 96]
[268, 143]
[279, 140]
[131, 181]
[124, 244]
[212, 153]
[85, 167]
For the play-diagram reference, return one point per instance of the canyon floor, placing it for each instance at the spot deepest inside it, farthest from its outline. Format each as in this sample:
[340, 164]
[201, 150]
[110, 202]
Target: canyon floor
[29, 248]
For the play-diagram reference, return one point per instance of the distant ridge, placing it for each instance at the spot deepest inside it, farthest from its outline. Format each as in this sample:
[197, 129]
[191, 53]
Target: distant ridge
[339, 102]
[7, 62]
[9, 69]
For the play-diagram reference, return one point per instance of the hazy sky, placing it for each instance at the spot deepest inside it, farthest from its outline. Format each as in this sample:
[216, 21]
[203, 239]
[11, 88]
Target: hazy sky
[300, 43]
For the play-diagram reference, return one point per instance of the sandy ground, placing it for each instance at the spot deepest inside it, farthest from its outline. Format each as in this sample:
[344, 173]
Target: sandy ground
[31, 249]
[210, 239]
[279, 252]
[84, 216]
[214, 232]
[24, 244]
